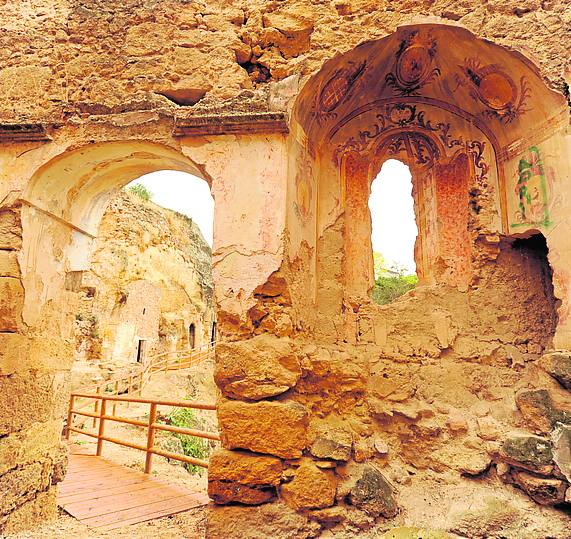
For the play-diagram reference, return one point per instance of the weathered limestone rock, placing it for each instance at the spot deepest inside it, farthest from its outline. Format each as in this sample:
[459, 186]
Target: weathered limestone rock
[488, 428]
[558, 365]
[11, 303]
[467, 456]
[543, 491]
[415, 533]
[9, 264]
[10, 230]
[529, 452]
[42, 509]
[37, 398]
[258, 368]
[491, 516]
[373, 493]
[562, 450]
[539, 410]
[330, 441]
[22, 484]
[289, 29]
[275, 428]
[29, 446]
[311, 487]
[239, 476]
[261, 522]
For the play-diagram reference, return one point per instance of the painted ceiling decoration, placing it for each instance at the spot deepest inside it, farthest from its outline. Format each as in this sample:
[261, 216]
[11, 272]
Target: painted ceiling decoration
[414, 66]
[497, 90]
[336, 90]
[405, 126]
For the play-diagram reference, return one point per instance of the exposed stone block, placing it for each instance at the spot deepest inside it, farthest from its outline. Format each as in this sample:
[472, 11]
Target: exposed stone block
[258, 368]
[10, 230]
[31, 398]
[222, 492]
[11, 303]
[262, 522]
[14, 349]
[275, 428]
[33, 444]
[544, 491]
[238, 476]
[373, 493]
[42, 509]
[330, 442]
[22, 484]
[558, 365]
[562, 450]
[539, 410]
[9, 266]
[311, 487]
[528, 452]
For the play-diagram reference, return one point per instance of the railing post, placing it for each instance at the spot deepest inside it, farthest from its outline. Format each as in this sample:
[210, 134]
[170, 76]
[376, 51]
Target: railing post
[116, 393]
[101, 432]
[96, 408]
[129, 389]
[150, 438]
[69, 417]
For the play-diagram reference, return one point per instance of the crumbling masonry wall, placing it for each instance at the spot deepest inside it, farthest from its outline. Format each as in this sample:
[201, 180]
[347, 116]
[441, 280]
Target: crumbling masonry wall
[334, 412]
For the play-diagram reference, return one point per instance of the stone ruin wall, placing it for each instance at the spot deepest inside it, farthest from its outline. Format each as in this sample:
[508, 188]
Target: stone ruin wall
[444, 394]
[150, 278]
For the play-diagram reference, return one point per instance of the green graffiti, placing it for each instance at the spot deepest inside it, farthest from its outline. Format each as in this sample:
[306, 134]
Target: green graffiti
[532, 191]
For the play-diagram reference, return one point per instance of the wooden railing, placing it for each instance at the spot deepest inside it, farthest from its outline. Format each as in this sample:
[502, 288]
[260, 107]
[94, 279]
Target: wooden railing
[136, 379]
[102, 416]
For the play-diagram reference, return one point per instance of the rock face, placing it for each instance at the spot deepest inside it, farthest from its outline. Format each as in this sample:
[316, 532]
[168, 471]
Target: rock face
[374, 494]
[558, 365]
[238, 476]
[149, 290]
[310, 488]
[258, 368]
[274, 428]
[529, 452]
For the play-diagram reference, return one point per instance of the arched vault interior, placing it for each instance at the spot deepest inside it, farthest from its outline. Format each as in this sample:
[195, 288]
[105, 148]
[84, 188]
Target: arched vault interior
[475, 122]
[65, 201]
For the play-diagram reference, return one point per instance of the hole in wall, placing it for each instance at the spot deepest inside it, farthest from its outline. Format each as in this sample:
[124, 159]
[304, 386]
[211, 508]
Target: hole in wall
[393, 232]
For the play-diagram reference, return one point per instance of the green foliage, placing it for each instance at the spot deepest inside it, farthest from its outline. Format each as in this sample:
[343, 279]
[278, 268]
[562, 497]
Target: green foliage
[389, 287]
[141, 191]
[192, 446]
[379, 263]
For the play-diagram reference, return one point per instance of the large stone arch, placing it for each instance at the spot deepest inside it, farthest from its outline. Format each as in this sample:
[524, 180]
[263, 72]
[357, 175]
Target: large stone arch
[55, 192]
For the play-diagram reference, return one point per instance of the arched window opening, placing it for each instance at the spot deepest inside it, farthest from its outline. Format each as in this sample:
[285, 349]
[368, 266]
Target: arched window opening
[192, 336]
[154, 241]
[394, 232]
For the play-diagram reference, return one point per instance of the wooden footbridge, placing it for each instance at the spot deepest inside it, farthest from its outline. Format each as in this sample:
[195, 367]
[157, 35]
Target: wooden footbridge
[106, 495]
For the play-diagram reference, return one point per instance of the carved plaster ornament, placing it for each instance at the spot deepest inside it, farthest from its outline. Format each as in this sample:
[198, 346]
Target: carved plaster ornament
[414, 67]
[495, 89]
[417, 131]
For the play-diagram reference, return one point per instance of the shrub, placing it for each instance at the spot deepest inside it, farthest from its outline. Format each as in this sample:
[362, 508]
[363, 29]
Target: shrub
[389, 287]
[141, 191]
[192, 446]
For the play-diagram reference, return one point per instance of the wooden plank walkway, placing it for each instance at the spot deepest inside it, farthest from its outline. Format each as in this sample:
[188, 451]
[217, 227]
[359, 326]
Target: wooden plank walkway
[105, 495]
